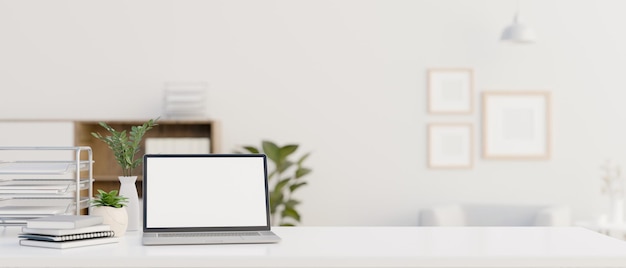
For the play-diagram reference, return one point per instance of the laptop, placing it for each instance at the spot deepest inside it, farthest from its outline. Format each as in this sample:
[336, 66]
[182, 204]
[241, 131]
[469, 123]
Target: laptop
[206, 199]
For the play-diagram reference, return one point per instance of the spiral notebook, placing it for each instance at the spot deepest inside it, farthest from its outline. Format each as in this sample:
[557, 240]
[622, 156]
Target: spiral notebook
[61, 238]
[206, 199]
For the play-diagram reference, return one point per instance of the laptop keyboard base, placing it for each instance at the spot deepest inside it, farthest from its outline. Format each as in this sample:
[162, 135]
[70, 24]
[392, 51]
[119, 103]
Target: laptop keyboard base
[210, 234]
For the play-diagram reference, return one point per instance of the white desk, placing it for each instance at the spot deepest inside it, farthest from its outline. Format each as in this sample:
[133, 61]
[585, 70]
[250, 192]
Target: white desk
[348, 247]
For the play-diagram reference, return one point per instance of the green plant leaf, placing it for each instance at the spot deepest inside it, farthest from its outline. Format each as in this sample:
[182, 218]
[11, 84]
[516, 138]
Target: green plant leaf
[251, 149]
[302, 171]
[279, 186]
[272, 151]
[292, 203]
[272, 174]
[287, 224]
[283, 166]
[110, 199]
[291, 213]
[304, 157]
[276, 199]
[287, 150]
[294, 187]
[125, 145]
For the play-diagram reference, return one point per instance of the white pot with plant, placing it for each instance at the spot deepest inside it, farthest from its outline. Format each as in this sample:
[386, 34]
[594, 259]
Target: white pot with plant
[125, 146]
[112, 208]
[615, 188]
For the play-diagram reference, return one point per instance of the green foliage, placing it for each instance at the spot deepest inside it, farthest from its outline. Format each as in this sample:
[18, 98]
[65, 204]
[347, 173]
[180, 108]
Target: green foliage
[110, 199]
[284, 179]
[125, 146]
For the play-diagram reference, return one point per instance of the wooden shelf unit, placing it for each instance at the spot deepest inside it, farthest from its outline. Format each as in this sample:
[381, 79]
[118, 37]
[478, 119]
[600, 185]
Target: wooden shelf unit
[105, 168]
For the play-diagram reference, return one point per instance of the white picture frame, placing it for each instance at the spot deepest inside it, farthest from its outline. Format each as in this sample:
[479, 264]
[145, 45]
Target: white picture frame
[516, 125]
[450, 91]
[450, 145]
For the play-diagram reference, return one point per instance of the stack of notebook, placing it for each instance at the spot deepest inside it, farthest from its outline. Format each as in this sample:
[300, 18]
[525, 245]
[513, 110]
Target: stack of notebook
[66, 231]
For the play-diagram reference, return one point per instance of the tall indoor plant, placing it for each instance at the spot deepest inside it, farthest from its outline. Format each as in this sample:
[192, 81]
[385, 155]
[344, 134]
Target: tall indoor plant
[288, 176]
[125, 146]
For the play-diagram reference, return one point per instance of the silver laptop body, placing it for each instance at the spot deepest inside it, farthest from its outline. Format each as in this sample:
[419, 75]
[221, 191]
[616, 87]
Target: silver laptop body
[206, 199]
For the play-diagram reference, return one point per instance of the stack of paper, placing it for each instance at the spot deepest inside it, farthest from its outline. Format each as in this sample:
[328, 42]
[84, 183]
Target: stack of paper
[185, 99]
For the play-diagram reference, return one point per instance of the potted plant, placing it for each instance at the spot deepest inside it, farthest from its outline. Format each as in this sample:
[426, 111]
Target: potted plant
[289, 177]
[125, 146]
[112, 208]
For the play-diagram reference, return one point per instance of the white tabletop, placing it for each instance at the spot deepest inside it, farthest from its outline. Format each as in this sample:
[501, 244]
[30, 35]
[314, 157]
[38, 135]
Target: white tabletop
[347, 247]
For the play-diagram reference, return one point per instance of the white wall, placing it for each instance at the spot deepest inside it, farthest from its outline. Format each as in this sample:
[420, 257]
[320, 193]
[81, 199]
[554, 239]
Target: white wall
[345, 79]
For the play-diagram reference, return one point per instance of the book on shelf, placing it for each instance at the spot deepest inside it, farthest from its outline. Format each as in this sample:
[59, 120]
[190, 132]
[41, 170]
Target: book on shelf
[189, 145]
[69, 244]
[61, 238]
[64, 221]
[57, 232]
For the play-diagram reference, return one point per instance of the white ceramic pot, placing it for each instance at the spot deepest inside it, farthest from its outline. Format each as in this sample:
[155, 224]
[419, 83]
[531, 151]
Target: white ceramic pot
[117, 218]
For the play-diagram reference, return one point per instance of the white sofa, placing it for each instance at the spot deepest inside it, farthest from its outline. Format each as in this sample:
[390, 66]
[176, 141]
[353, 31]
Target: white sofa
[495, 215]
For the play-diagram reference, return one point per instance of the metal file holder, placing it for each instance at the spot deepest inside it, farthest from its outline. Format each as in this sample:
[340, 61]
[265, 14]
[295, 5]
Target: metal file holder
[37, 187]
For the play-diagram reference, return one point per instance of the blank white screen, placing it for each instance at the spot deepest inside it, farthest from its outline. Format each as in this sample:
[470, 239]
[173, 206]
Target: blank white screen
[205, 192]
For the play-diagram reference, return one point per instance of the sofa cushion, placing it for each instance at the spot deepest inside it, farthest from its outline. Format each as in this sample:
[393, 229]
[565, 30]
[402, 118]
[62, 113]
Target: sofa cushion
[495, 215]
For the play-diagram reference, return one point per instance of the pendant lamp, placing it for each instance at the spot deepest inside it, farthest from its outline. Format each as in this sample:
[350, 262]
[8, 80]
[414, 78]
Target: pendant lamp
[518, 32]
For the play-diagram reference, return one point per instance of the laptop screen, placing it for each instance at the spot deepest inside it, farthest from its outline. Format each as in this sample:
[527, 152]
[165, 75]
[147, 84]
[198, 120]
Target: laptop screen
[205, 192]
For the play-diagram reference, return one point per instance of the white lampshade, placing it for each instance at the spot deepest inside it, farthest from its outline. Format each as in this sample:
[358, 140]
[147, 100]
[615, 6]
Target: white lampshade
[518, 33]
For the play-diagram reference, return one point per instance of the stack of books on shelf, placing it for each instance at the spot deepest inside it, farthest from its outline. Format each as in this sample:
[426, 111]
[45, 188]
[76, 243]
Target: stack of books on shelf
[67, 231]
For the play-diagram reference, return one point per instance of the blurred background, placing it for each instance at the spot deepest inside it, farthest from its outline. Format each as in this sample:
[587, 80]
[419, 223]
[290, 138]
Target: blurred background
[346, 80]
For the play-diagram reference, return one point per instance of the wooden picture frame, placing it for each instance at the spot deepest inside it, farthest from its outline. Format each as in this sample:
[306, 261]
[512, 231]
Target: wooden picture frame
[516, 125]
[450, 145]
[450, 91]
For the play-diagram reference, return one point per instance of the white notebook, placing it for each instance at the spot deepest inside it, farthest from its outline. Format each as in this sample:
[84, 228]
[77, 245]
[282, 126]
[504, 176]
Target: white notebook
[64, 221]
[89, 229]
[69, 244]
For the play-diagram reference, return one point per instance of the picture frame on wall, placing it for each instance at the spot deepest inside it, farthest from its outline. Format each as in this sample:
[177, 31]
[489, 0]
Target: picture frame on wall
[516, 124]
[450, 145]
[450, 90]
